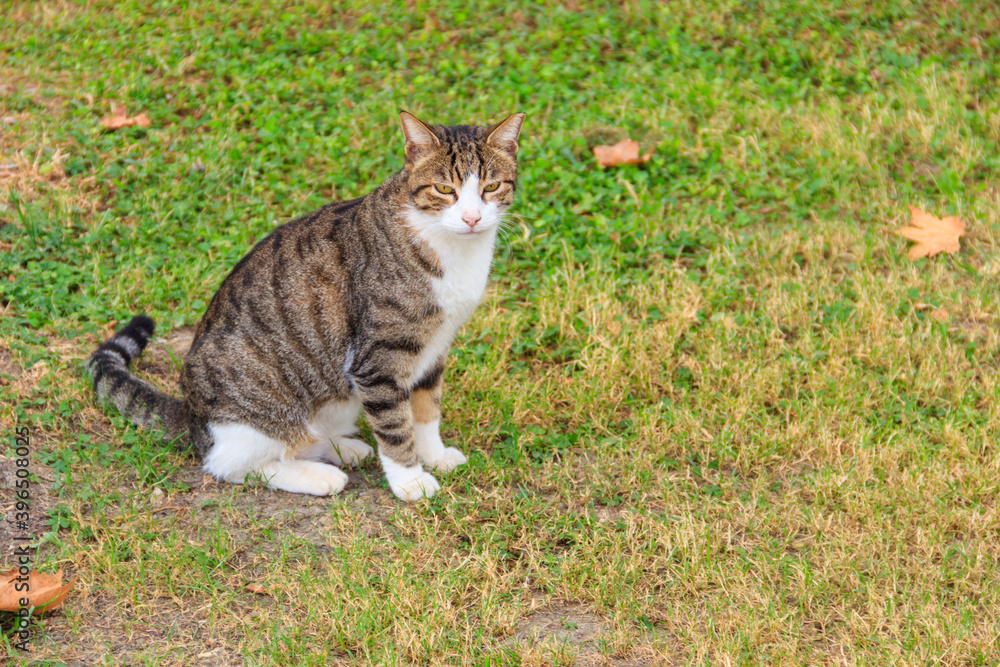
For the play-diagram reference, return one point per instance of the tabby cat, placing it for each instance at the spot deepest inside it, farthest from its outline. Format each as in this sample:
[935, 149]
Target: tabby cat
[352, 307]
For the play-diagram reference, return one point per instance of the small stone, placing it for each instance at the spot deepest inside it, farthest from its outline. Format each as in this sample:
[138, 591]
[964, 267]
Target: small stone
[198, 166]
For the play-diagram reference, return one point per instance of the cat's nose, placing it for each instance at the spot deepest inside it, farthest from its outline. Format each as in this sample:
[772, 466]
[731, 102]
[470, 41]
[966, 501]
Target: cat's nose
[472, 218]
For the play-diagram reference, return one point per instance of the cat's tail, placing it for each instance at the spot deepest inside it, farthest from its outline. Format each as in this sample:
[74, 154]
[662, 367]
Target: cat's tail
[140, 402]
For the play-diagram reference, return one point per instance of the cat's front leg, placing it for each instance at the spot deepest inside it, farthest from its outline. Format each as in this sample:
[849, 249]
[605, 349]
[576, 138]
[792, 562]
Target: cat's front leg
[425, 400]
[387, 406]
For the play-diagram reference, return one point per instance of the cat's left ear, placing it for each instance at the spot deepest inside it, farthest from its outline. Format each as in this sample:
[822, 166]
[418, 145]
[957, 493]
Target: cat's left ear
[504, 134]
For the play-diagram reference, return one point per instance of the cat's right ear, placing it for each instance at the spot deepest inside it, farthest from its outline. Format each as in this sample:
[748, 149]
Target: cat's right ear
[420, 139]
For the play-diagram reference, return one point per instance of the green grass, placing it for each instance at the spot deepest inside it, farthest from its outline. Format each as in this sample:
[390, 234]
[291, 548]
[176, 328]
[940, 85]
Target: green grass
[713, 414]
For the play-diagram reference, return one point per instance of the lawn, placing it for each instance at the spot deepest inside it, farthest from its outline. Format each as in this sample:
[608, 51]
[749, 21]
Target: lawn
[714, 415]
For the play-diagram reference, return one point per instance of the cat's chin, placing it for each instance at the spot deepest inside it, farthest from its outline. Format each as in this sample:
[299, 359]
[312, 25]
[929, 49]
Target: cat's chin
[462, 234]
[463, 231]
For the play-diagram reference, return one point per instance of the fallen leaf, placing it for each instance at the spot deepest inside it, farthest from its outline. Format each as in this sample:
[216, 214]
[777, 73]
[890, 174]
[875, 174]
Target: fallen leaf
[45, 591]
[118, 119]
[940, 314]
[259, 590]
[109, 329]
[625, 151]
[932, 234]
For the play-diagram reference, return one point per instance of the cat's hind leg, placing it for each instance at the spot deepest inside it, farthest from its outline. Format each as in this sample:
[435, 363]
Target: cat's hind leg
[333, 423]
[240, 452]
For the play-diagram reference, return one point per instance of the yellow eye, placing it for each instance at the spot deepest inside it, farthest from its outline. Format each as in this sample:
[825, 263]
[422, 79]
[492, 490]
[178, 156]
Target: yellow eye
[491, 187]
[445, 189]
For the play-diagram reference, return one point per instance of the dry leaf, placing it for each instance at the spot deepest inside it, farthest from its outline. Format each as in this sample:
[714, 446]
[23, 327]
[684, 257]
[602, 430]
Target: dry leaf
[940, 314]
[932, 234]
[259, 590]
[45, 591]
[625, 151]
[118, 119]
[109, 329]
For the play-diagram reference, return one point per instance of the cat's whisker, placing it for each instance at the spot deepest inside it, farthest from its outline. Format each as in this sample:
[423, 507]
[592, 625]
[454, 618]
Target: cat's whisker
[507, 229]
[503, 231]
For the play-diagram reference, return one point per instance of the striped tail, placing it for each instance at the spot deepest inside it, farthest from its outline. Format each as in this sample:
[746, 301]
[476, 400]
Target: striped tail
[141, 403]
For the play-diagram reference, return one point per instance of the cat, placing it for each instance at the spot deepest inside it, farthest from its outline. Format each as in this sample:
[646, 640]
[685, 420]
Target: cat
[350, 308]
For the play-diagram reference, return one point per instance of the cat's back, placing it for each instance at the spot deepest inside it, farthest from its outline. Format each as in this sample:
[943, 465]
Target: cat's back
[286, 300]
[282, 267]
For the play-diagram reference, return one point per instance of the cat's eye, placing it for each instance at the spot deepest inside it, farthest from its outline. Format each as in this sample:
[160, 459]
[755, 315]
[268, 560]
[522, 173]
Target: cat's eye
[445, 189]
[491, 187]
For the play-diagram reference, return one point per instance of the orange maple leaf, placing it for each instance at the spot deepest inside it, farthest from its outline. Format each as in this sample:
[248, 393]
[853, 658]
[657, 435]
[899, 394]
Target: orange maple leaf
[625, 151]
[932, 234]
[45, 591]
[118, 119]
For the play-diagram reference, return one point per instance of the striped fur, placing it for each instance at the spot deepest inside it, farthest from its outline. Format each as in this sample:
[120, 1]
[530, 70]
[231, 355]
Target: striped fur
[351, 306]
[145, 406]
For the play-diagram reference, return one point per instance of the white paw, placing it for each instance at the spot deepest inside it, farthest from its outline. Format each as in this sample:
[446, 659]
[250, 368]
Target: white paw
[419, 487]
[449, 459]
[335, 480]
[312, 477]
[318, 479]
[349, 452]
[409, 483]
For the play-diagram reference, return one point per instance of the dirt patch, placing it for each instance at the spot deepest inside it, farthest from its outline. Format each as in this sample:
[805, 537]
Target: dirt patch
[8, 367]
[174, 637]
[572, 634]
[572, 624]
[306, 517]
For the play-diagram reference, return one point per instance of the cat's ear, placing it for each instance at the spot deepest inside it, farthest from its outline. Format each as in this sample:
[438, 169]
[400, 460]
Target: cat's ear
[504, 134]
[419, 138]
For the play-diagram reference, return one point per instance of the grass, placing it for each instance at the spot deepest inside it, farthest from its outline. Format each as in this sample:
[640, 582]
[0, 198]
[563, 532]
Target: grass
[713, 414]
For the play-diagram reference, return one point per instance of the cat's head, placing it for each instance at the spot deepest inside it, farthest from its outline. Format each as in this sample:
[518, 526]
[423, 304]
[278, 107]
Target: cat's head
[461, 178]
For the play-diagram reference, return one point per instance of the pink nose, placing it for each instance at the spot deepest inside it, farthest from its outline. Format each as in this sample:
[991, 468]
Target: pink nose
[472, 218]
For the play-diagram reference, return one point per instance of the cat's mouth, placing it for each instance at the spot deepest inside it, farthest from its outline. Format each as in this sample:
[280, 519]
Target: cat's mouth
[469, 231]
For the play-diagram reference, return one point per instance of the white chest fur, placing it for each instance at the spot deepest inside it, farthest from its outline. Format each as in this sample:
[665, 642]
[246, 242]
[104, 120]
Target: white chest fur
[466, 263]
